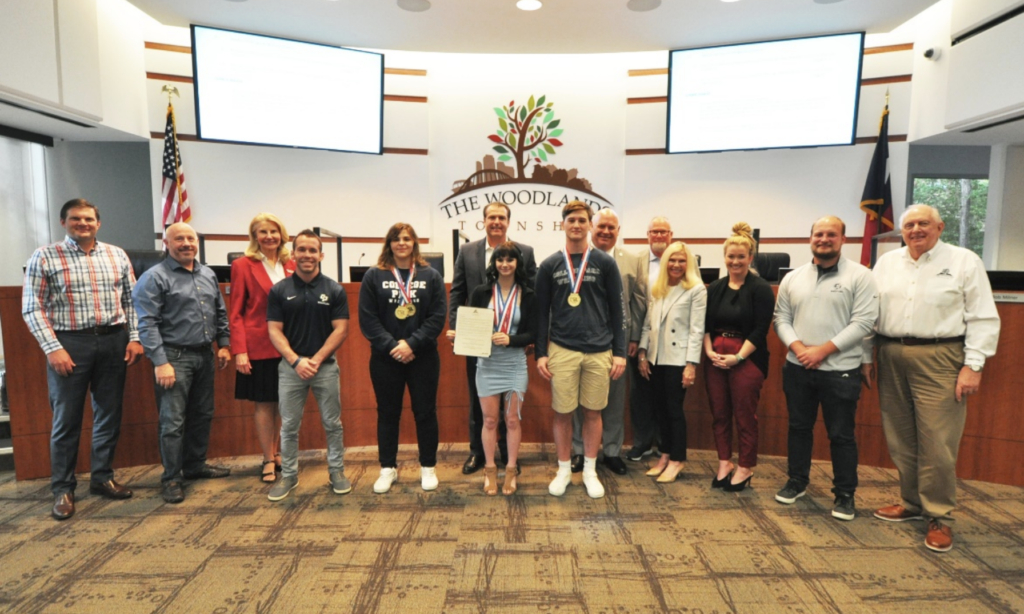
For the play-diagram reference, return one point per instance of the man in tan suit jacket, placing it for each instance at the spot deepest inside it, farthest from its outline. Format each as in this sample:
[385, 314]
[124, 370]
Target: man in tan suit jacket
[633, 271]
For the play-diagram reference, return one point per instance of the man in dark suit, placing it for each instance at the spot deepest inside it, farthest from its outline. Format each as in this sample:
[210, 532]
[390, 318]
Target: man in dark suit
[633, 271]
[470, 272]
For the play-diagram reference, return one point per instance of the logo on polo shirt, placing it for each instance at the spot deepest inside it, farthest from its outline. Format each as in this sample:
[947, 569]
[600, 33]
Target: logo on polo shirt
[837, 287]
[323, 300]
[944, 273]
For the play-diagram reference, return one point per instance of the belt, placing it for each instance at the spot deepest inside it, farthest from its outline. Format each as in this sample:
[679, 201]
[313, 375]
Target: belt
[729, 334]
[189, 348]
[96, 330]
[922, 341]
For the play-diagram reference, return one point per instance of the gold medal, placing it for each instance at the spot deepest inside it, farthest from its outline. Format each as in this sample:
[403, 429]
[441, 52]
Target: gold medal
[574, 300]
[401, 312]
[410, 310]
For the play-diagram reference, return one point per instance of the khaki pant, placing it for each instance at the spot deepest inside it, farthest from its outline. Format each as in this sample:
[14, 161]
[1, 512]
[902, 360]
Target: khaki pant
[923, 421]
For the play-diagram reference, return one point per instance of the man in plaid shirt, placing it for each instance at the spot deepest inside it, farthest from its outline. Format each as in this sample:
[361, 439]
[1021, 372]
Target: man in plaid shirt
[77, 302]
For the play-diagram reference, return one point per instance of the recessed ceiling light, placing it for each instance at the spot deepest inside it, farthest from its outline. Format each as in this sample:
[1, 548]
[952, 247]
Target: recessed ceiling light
[827, 1]
[643, 5]
[236, 0]
[730, 0]
[528, 5]
[416, 6]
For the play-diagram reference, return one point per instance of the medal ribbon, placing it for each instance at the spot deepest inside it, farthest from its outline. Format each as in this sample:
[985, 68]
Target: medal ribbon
[503, 316]
[576, 280]
[405, 288]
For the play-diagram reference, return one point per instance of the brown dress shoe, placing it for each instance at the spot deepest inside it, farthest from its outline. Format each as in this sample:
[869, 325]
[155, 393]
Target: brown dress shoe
[110, 489]
[896, 513]
[64, 506]
[940, 536]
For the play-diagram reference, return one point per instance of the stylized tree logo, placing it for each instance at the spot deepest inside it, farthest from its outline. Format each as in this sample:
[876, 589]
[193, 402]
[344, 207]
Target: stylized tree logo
[525, 132]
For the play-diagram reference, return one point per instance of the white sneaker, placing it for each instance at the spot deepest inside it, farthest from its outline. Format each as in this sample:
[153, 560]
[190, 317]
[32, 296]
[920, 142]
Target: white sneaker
[428, 478]
[559, 484]
[594, 487]
[388, 476]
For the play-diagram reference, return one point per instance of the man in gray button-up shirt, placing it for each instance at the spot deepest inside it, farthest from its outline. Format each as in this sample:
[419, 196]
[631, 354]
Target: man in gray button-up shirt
[181, 313]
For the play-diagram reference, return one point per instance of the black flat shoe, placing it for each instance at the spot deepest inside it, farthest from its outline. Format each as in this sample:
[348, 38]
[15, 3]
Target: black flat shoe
[716, 483]
[473, 464]
[730, 487]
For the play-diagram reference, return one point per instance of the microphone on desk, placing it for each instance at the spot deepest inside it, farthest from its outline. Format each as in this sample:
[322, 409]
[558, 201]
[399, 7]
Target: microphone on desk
[360, 261]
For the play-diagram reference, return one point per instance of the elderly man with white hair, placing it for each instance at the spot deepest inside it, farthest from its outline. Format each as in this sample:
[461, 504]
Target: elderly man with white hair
[937, 325]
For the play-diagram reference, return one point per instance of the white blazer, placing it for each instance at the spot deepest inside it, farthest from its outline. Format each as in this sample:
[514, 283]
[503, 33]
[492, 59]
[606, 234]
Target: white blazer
[680, 320]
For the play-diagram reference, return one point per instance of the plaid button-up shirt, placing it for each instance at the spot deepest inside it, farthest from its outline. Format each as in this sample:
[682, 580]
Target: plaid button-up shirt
[67, 289]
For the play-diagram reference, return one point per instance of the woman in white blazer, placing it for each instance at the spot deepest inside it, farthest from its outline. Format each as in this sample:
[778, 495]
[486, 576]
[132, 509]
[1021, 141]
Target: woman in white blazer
[670, 348]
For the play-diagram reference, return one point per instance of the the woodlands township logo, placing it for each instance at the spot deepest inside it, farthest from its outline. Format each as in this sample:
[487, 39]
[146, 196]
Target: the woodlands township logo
[522, 174]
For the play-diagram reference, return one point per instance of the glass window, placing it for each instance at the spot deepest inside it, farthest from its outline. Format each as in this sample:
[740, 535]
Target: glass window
[962, 203]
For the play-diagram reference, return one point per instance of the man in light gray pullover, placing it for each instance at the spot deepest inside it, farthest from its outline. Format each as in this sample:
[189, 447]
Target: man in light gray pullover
[824, 311]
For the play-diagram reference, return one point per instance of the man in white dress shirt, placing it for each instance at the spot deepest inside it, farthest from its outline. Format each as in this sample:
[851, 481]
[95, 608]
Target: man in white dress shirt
[937, 325]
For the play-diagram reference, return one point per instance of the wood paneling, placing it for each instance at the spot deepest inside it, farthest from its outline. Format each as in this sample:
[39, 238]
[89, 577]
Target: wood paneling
[994, 435]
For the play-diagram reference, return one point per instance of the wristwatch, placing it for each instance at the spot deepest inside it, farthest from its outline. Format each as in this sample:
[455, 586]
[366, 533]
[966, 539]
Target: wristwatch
[975, 368]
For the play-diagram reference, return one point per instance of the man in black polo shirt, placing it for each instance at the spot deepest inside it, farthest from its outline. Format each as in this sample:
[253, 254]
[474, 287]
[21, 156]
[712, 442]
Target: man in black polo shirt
[307, 316]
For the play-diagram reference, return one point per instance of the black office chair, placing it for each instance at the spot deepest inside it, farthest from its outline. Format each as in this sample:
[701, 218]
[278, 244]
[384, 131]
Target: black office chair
[232, 256]
[435, 260]
[143, 259]
[768, 264]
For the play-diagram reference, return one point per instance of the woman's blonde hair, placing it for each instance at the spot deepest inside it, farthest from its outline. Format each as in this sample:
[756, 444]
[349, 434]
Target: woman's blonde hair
[690, 279]
[253, 251]
[742, 235]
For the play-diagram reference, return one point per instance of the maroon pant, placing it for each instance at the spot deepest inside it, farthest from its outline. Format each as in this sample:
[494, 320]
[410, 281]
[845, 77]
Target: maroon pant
[734, 393]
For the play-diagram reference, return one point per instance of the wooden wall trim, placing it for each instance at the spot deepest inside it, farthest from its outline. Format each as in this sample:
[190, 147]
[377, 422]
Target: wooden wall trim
[883, 80]
[396, 98]
[160, 76]
[240, 237]
[412, 72]
[862, 140]
[166, 47]
[403, 151]
[720, 240]
[647, 72]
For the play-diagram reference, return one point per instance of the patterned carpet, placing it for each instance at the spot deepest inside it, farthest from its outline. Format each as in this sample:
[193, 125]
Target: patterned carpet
[645, 547]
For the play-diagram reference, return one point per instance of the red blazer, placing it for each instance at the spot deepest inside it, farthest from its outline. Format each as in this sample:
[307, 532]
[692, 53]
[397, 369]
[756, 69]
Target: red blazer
[250, 285]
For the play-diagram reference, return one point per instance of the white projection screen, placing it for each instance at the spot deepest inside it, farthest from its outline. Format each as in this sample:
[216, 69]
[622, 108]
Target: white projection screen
[800, 92]
[272, 91]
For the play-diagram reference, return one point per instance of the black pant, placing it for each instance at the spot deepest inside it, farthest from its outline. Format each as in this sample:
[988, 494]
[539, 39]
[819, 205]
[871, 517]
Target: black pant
[390, 379]
[99, 368]
[837, 392]
[476, 416]
[667, 395]
[641, 415]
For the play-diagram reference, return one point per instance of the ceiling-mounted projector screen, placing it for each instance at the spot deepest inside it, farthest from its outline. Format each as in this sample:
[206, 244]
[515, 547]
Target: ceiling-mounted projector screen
[273, 91]
[799, 92]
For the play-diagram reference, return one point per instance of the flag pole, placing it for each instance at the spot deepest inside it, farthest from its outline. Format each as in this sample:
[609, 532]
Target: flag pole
[879, 220]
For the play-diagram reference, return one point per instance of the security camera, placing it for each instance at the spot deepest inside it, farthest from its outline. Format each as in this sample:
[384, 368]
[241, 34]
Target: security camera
[932, 53]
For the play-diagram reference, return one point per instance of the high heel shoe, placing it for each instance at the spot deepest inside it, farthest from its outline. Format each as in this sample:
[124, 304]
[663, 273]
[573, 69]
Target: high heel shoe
[490, 481]
[668, 476]
[511, 485]
[730, 487]
[716, 483]
[655, 471]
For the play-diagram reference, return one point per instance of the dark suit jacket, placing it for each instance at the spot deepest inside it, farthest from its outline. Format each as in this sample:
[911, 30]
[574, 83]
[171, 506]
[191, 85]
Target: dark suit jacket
[757, 302]
[471, 271]
[247, 318]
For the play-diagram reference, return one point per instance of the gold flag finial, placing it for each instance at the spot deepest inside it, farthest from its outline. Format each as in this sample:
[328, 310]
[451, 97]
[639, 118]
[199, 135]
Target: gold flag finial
[170, 90]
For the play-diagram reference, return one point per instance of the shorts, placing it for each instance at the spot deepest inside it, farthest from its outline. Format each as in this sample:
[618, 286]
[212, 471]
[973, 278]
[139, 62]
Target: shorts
[578, 379]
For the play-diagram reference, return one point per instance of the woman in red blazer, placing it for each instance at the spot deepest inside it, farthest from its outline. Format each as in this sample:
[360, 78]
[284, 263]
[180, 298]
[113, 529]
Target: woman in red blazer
[267, 260]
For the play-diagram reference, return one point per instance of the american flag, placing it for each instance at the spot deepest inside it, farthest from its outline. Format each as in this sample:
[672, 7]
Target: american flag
[173, 194]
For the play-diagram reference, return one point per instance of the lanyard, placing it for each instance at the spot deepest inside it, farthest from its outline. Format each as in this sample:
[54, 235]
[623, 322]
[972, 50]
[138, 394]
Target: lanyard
[503, 315]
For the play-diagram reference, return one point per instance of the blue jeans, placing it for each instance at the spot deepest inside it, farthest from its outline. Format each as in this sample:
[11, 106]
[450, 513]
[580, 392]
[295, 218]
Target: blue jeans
[186, 412]
[837, 392]
[292, 391]
[99, 366]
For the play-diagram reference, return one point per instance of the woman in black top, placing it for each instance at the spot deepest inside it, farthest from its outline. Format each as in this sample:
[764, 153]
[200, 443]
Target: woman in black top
[739, 314]
[504, 372]
[402, 309]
